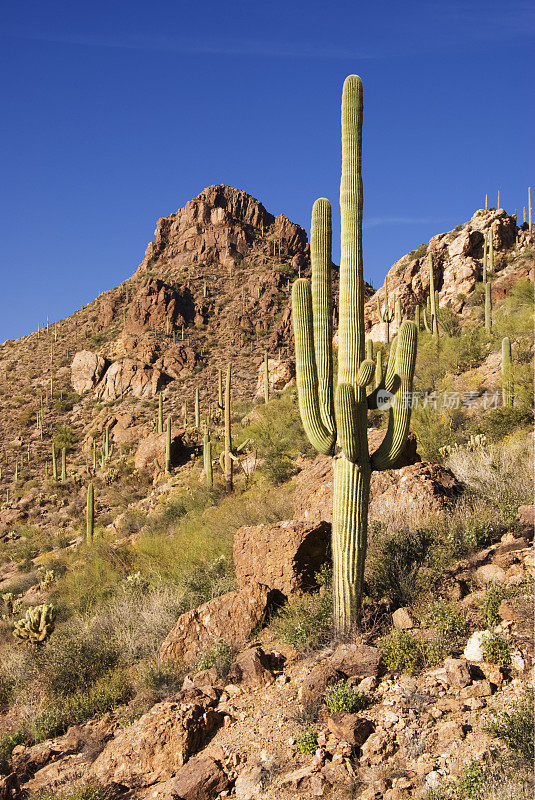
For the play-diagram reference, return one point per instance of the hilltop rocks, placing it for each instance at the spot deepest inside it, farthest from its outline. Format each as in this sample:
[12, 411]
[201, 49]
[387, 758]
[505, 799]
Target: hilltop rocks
[129, 376]
[283, 557]
[280, 375]
[86, 370]
[457, 261]
[218, 228]
[152, 449]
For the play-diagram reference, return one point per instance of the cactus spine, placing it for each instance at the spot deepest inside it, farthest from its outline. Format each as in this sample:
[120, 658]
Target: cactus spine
[507, 374]
[228, 467]
[90, 514]
[207, 459]
[266, 378]
[345, 421]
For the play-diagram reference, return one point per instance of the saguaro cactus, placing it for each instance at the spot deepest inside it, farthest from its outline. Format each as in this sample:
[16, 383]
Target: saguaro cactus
[54, 464]
[168, 446]
[207, 460]
[266, 377]
[530, 225]
[433, 298]
[228, 455]
[488, 307]
[378, 368]
[90, 513]
[63, 464]
[385, 313]
[338, 428]
[197, 410]
[159, 426]
[507, 374]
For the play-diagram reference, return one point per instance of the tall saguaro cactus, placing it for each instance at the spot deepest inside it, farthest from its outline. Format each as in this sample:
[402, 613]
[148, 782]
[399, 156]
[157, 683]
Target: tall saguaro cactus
[207, 460]
[90, 513]
[228, 466]
[507, 374]
[337, 426]
[433, 298]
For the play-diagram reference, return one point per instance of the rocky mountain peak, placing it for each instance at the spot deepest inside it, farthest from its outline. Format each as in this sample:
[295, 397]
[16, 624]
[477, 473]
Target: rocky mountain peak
[219, 228]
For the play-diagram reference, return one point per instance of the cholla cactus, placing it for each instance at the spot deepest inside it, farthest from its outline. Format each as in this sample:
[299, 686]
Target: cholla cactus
[37, 624]
[47, 579]
[474, 443]
[336, 426]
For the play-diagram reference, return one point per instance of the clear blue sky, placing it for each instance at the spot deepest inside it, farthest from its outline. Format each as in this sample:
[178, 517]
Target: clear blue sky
[116, 113]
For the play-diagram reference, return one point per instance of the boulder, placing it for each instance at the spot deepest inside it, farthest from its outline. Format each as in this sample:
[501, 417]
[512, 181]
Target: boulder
[457, 672]
[474, 647]
[202, 778]
[158, 744]
[422, 486]
[280, 374]
[251, 782]
[357, 660]
[130, 377]
[251, 667]
[526, 515]
[350, 728]
[151, 449]
[284, 556]
[87, 369]
[488, 574]
[402, 619]
[229, 618]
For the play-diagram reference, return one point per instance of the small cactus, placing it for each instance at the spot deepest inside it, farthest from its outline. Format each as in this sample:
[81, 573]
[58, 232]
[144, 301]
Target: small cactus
[54, 464]
[37, 624]
[386, 315]
[197, 410]
[488, 308]
[168, 446]
[266, 378]
[433, 298]
[63, 464]
[207, 459]
[159, 427]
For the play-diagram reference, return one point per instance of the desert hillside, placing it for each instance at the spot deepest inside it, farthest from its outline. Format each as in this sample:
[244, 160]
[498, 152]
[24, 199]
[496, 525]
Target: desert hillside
[165, 556]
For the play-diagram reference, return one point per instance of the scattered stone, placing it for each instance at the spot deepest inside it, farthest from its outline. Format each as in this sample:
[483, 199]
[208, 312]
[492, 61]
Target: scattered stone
[251, 782]
[251, 667]
[402, 619]
[526, 515]
[474, 647]
[202, 778]
[350, 728]
[457, 672]
[357, 660]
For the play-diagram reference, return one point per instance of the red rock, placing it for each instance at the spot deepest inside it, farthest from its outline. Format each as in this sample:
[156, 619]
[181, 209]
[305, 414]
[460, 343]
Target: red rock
[152, 449]
[252, 667]
[202, 778]
[350, 728]
[284, 556]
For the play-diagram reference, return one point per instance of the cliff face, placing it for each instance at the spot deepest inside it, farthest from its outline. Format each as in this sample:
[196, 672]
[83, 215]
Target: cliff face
[458, 265]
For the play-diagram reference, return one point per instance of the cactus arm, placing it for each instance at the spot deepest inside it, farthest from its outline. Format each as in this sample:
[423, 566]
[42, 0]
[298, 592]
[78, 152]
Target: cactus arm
[321, 258]
[400, 414]
[365, 373]
[387, 382]
[307, 379]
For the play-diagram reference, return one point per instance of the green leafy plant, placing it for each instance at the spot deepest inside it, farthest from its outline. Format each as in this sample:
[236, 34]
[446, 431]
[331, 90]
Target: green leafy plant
[344, 697]
[402, 651]
[306, 623]
[515, 728]
[307, 741]
[472, 780]
[219, 655]
[497, 649]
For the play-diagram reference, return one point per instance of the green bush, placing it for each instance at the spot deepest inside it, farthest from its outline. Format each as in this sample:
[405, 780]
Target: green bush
[7, 744]
[219, 655]
[472, 780]
[515, 728]
[160, 678]
[449, 622]
[307, 741]
[307, 623]
[66, 401]
[497, 649]
[344, 697]
[108, 692]
[402, 652]
[64, 437]
[491, 603]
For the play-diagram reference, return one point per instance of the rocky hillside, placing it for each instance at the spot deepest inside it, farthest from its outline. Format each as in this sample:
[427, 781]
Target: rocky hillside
[186, 651]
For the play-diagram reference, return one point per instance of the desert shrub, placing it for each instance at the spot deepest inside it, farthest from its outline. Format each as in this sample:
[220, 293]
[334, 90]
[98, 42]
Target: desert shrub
[403, 564]
[108, 692]
[278, 437]
[497, 649]
[307, 741]
[449, 621]
[87, 792]
[491, 603]
[307, 623]
[160, 678]
[515, 728]
[472, 780]
[77, 656]
[207, 581]
[66, 400]
[8, 742]
[344, 697]
[498, 423]
[402, 652]
[219, 655]
[96, 579]
[64, 437]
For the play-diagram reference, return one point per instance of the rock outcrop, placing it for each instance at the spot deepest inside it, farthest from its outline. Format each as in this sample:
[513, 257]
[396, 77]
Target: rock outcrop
[150, 453]
[457, 261]
[86, 370]
[280, 375]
